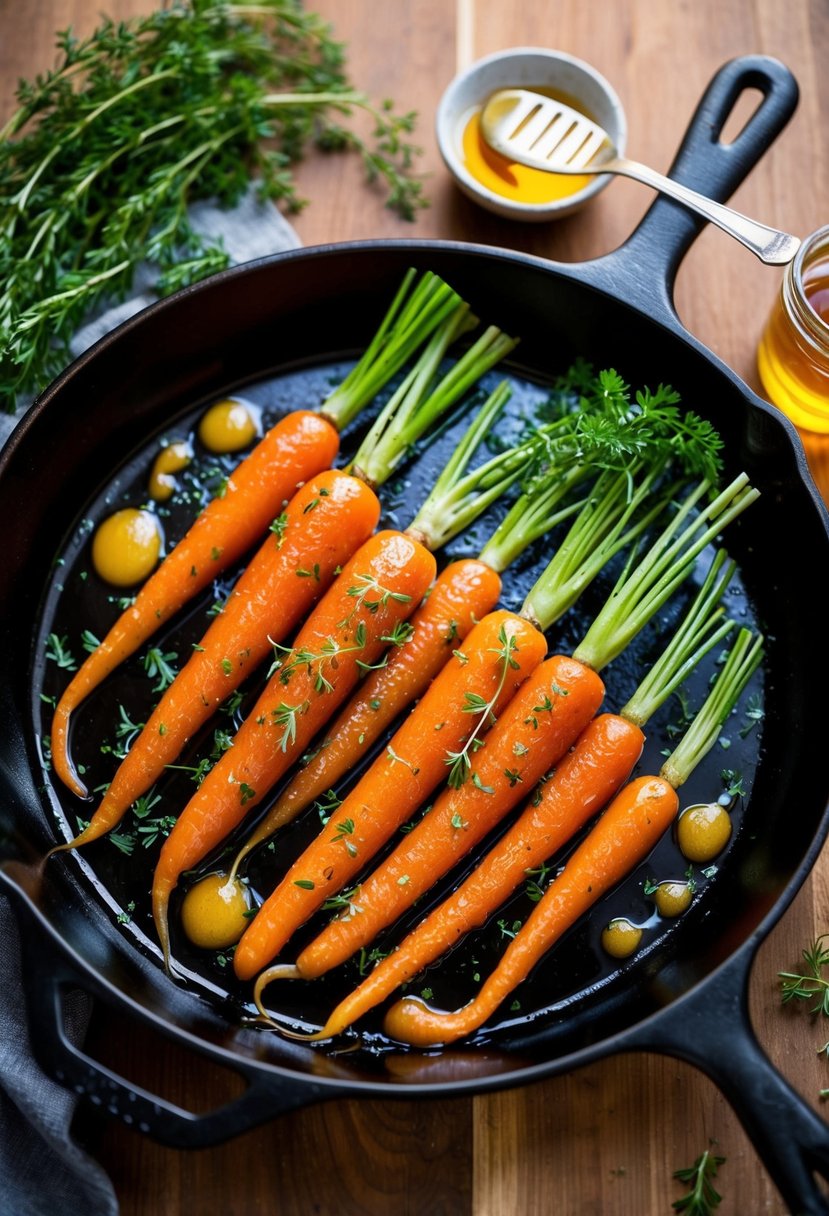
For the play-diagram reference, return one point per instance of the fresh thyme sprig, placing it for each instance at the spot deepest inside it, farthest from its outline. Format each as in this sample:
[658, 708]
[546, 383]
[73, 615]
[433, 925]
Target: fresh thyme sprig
[460, 762]
[811, 984]
[107, 150]
[158, 665]
[317, 661]
[702, 1198]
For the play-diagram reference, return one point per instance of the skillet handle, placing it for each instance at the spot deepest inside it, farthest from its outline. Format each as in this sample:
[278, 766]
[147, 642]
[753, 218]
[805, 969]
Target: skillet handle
[711, 1029]
[651, 256]
[51, 971]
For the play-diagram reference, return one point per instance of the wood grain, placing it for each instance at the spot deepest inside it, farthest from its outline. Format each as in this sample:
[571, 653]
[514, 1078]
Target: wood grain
[606, 1138]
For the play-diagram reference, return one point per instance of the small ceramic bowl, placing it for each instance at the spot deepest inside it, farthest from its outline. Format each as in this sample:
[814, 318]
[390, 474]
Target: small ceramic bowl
[528, 68]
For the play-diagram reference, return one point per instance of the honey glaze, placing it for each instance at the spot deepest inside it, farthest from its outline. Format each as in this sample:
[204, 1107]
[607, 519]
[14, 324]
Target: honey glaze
[519, 183]
[672, 897]
[621, 937]
[126, 547]
[703, 831]
[214, 912]
[229, 426]
[793, 355]
[170, 460]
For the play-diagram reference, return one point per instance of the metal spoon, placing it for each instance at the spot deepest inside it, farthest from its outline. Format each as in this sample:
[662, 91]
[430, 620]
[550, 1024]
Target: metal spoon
[545, 134]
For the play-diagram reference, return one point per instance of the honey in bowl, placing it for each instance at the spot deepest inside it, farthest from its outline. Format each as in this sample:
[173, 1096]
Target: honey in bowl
[505, 177]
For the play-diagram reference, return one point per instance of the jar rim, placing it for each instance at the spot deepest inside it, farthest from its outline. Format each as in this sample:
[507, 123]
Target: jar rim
[811, 324]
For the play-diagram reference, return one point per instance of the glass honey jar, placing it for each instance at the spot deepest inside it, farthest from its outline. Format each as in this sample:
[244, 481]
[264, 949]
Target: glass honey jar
[793, 356]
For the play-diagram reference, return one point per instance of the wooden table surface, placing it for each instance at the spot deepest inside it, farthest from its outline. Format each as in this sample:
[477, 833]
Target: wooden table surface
[607, 1138]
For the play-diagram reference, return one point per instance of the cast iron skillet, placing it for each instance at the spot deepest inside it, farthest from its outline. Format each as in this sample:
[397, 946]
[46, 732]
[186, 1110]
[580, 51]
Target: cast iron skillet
[246, 325]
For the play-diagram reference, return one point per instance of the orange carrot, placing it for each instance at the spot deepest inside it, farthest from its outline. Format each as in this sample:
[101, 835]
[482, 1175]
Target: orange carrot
[463, 593]
[626, 832]
[378, 588]
[624, 836]
[590, 774]
[323, 524]
[299, 446]
[544, 718]
[443, 730]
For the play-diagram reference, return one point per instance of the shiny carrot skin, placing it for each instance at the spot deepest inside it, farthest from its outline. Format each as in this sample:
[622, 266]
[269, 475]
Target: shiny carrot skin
[582, 783]
[623, 836]
[545, 717]
[377, 589]
[321, 527]
[399, 781]
[465, 591]
[299, 446]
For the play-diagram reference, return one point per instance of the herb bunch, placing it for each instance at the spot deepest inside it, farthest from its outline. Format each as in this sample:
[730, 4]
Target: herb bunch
[106, 151]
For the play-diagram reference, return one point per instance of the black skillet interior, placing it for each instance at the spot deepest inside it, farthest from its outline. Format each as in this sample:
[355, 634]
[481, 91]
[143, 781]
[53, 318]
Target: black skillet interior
[299, 313]
[771, 547]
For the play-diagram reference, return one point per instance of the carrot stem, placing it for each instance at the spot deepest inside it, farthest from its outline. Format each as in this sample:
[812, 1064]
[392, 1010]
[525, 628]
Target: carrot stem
[608, 521]
[406, 324]
[413, 408]
[742, 662]
[645, 586]
[693, 639]
[535, 513]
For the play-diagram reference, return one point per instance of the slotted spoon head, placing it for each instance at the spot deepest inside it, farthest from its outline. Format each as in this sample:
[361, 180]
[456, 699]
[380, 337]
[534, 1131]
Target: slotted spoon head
[543, 133]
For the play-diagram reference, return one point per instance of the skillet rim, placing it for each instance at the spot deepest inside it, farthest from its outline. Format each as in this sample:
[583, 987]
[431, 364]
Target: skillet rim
[591, 274]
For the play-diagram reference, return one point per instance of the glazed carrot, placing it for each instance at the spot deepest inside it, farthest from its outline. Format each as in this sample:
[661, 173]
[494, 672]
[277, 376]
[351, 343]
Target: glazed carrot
[464, 592]
[299, 446]
[545, 717]
[296, 448]
[438, 738]
[580, 784]
[319, 530]
[622, 838]
[346, 631]
[626, 832]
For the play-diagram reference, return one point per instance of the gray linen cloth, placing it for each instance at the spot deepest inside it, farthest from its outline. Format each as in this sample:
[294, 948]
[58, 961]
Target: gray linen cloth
[42, 1169]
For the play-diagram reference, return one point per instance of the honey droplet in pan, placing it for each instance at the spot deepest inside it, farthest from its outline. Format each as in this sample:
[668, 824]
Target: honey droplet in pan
[703, 831]
[169, 461]
[621, 938]
[213, 912]
[672, 898]
[229, 426]
[126, 547]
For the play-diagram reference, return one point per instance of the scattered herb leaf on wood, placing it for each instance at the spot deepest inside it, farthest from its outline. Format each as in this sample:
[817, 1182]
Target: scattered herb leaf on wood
[702, 1197]
[143, 117]
[810, 984]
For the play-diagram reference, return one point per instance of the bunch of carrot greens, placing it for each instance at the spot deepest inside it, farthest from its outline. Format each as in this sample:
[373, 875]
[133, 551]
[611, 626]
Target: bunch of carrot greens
[106, 151]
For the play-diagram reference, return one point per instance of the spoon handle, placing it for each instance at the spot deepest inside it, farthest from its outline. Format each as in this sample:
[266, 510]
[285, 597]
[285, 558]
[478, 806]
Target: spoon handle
[771, 246]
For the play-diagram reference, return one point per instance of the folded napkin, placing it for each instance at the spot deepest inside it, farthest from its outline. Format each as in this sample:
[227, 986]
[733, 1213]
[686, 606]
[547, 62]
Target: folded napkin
[42, 1169]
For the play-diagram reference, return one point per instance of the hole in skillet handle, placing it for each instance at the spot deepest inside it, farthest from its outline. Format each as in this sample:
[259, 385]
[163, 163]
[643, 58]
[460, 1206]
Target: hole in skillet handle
[50, 982]
[645, 266]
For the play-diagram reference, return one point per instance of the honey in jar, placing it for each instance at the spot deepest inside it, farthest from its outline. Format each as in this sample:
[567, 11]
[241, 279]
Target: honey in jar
[793, 356]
